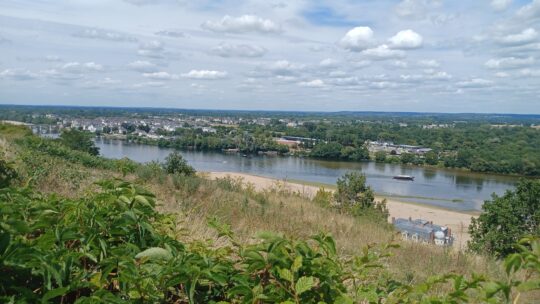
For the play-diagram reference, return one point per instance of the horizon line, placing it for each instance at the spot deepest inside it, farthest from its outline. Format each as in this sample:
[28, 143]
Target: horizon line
[270, 111]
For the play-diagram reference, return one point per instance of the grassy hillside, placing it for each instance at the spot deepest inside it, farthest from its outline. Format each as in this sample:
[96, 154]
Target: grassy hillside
[224, 226]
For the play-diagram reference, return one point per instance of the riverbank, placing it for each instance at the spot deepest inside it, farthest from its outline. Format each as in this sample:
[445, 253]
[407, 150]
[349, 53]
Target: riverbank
[457, 221]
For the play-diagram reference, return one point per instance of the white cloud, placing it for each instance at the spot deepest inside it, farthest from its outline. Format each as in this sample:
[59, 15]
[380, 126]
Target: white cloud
[155, 84]
[429, 63]
[238, 50]
[383, 52]
[161, 76]
[357, 39]
[416, 9]
[76, 67]
[400, 64]
[475, 83]
[153, 45]
[502, 74]
[242, 24]
[152, 49]
[316, 83]
[171, 33]
[329, 63]
[530, 11]
[500, 5]
[60, 75]
[526, 36]
[279, 67]
[205, 74]
[441, 75]
[530, 73]
[509, 63]
[407, 39]
[142, 66]
[104, 35]
[18, 74]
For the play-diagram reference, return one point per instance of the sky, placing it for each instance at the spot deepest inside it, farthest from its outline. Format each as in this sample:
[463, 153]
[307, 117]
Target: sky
[372, 55]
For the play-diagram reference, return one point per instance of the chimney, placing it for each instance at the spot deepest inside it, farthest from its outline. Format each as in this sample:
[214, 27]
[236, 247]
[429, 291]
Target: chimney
[410, 219]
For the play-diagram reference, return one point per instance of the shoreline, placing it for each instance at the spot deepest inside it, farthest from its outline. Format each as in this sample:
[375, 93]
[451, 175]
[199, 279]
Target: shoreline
[455, 220]
[424, 166]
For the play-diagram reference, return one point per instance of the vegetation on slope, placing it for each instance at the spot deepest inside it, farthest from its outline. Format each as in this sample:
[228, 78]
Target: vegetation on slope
[94, 241]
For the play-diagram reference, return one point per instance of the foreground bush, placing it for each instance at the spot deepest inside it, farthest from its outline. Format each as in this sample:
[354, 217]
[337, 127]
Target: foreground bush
[114, 247]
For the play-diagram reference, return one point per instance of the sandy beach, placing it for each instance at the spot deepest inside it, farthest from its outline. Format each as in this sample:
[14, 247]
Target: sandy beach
[456, 221]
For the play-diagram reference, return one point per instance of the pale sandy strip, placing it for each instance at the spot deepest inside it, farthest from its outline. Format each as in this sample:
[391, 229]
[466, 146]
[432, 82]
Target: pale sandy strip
[456, 221]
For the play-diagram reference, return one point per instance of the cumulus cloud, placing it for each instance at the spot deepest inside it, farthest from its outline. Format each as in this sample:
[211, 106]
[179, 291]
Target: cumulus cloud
[56, 74]
[205, 74]
[475, 83]
[316, 83]
[526, 36]
[161, 76]
[278, 68]
[357, 39]
[407, 39]
[530, 11]
[329, 63]
[18, 74]
[383, 52]
[171, 33]
[104, 35]
[238, 50]
[529, 73]
[142, 66]
[429, 63]
[154, 84]
[242, 24]
[152, 49]
[509, 63]
[76, 67]
[500, 5]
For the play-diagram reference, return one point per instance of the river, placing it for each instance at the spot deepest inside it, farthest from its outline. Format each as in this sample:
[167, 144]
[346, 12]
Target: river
[451, 189]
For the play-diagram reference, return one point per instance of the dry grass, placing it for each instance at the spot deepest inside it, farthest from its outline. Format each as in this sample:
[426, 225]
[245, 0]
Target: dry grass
[249, 211]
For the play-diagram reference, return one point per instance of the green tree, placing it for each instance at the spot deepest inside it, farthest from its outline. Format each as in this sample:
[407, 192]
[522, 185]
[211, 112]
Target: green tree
[79, 140]
[407, 158]
[331, 150]
[506, 219]
[355, 196]
[380, 156]
[176, 164]
[431, 158]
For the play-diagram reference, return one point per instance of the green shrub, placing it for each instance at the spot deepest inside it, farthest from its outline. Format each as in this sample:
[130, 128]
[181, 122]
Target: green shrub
[187, 184]
[79, 140]
[176, 164]
[114, 247]
[506, 219]
[355, 196]
[148, 171]
[7, 173]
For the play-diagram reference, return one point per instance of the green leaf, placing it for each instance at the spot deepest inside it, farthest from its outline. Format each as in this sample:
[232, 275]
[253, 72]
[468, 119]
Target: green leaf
[286, 274]
[51, 294]
[343, 299]
[154, 253]
[529, 285]
[304, 284]
[297, 263]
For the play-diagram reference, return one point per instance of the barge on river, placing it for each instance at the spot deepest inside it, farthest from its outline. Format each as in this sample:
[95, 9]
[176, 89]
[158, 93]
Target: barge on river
[404, 177]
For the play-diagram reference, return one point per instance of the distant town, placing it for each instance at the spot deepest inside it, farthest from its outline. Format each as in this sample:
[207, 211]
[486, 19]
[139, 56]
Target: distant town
[505, 144]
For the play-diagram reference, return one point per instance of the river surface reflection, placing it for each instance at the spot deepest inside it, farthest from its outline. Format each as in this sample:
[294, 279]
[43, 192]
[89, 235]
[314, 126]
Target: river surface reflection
[451, 189]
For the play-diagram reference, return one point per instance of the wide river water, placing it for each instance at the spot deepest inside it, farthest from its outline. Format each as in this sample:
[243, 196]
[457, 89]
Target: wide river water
[452, 189]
